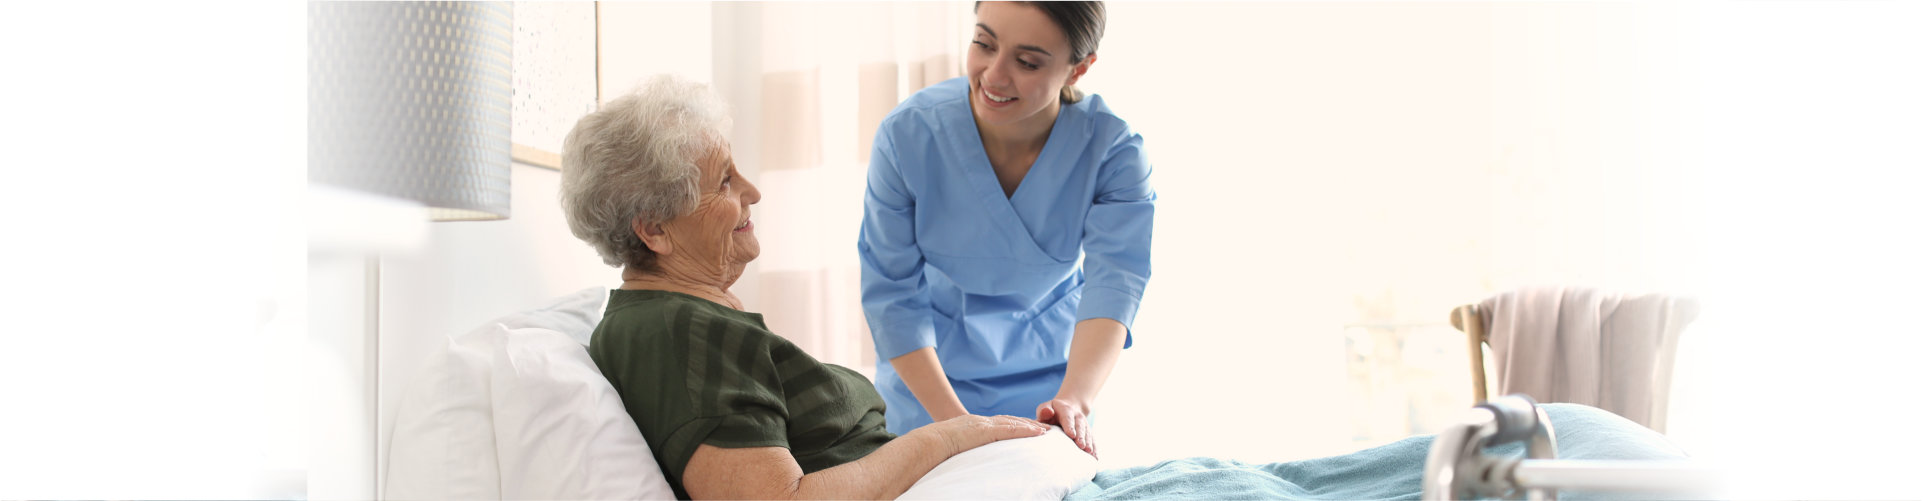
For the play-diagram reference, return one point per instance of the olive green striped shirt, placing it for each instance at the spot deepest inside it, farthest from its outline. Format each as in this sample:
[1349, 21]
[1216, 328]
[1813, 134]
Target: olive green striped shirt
[693, 372]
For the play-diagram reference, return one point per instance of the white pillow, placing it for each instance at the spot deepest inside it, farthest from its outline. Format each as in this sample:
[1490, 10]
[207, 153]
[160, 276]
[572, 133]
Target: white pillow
[575, 314]
[1045, 467]
[560, 428]
[517, 409]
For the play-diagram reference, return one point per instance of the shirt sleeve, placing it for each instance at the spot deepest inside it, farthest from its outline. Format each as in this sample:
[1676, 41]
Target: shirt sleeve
[731, 380]
[1116, 236]
[894, 294]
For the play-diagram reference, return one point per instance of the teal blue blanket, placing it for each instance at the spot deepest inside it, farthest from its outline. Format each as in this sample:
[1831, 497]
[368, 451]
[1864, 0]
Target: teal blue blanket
[1391, 471]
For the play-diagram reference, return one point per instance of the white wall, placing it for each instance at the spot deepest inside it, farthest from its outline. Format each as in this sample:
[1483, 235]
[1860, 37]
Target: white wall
[1810, 120]
[153, 261]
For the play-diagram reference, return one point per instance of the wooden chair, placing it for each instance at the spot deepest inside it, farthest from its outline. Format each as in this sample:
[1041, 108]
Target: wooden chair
[1679, 313]
[1468, 319]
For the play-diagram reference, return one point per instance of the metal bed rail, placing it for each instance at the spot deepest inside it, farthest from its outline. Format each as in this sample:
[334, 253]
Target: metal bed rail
[1459, 468]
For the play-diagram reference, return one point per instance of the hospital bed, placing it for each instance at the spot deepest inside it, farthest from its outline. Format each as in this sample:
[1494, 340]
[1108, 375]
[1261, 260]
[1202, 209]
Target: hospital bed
[515, 409]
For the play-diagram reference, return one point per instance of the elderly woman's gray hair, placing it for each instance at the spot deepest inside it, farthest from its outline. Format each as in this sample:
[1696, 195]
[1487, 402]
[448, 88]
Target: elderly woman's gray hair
[635, 158]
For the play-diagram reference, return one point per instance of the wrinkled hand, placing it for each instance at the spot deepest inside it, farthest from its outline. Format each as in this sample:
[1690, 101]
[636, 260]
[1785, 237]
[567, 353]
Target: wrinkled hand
[1073, 418]
[969, 431]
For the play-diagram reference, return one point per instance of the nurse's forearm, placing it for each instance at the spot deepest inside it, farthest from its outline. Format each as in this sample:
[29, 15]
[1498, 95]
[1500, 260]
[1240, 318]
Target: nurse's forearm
[926, 379]
[1091, 357]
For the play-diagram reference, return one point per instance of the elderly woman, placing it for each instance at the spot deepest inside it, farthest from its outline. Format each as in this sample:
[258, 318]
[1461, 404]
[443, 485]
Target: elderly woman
[730, 409]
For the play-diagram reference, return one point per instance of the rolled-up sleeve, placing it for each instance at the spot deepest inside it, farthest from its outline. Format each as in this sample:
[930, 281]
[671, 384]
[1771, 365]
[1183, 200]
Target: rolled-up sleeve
[1116, 237]
[894, 294]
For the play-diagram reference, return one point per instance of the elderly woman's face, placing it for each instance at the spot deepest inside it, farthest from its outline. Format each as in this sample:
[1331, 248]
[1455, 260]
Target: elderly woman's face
[718, 233]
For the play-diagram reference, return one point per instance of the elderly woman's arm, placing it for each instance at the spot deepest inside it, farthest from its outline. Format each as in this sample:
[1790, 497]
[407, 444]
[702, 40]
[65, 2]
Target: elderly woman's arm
[771, 472]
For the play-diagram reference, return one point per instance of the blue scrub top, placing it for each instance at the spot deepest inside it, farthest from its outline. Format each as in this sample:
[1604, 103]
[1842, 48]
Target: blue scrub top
[997, 283]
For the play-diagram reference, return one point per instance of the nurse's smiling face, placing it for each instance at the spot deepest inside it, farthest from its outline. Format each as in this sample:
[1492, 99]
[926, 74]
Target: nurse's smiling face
[1017, 64]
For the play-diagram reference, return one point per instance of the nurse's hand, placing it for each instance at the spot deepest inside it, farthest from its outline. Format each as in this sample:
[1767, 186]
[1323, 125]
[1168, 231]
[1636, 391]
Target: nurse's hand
[1072, 416]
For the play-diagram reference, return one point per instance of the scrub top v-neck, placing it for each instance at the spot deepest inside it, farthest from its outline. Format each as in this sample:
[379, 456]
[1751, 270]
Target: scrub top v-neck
[996, 282]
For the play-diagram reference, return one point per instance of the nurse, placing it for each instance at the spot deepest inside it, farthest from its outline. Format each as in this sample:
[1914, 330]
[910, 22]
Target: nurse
[1005, 236]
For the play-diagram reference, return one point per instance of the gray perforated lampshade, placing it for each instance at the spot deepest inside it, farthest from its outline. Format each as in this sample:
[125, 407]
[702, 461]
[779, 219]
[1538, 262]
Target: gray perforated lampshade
[411, 100]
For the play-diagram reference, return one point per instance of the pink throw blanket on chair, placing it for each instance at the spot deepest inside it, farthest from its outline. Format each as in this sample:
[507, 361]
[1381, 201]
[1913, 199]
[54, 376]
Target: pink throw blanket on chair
[1584, 346]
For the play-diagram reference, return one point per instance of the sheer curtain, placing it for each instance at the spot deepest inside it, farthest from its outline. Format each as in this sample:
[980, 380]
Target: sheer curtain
[810, 83]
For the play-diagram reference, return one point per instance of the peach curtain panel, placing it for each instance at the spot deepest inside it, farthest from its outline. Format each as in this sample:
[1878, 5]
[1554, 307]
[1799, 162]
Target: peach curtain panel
[816, 84]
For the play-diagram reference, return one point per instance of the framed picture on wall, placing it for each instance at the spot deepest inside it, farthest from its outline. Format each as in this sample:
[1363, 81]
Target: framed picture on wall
[555, 76]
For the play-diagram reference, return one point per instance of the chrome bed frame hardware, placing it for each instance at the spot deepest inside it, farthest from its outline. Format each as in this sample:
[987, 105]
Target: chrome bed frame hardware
[1457, 467]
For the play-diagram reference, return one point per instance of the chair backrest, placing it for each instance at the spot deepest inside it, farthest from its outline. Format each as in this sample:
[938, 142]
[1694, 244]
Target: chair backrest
[1565, 344]
[1468, 319]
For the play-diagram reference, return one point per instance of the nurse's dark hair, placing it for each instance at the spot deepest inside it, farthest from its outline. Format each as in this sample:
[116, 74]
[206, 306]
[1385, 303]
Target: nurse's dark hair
[1081, 24]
